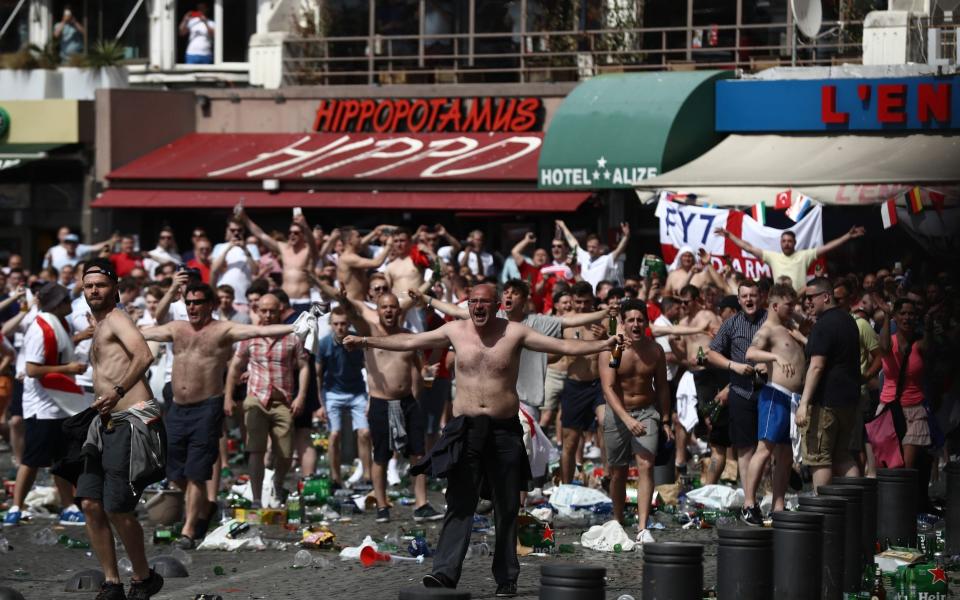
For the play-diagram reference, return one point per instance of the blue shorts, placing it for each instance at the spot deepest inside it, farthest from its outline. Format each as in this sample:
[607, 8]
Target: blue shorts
[357, 403]
[773, 418]
[199, 59]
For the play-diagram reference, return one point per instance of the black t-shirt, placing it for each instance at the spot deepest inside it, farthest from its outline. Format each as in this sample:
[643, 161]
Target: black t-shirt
[835, 336]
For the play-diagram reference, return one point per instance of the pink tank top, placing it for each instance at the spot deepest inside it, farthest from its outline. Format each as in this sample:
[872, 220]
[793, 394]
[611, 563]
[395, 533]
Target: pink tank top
[912, 385]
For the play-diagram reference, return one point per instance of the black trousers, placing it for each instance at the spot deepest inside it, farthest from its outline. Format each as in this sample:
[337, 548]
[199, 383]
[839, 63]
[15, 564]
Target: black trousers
[493, 450]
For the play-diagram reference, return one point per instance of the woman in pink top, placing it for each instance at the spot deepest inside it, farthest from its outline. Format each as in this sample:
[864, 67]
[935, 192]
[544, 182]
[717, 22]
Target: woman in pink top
[893, 348]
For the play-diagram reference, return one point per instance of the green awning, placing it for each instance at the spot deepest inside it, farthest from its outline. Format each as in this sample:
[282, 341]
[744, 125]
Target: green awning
[16, 155]
[613, 131]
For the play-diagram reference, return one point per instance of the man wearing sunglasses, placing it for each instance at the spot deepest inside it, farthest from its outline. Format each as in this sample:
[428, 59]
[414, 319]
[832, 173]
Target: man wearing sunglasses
[202, 348]
[297, 255]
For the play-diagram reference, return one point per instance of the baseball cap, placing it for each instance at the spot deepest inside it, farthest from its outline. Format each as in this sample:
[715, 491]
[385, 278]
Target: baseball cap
[72, 237]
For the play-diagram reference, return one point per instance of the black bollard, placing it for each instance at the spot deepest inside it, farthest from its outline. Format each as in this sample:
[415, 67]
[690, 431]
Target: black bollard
[868, 521]
[897, 506]
[422, 593]
[672, 571]
[953, 509]
[797, 546]
[834, 511]
[572, 582]
[7, 593]
[744, 563]
[853, 558]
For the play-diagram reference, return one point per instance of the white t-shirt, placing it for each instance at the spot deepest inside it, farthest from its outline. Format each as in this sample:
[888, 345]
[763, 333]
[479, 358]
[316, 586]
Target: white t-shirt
[594, 270]
[200, 40]
[237, 272]
[159, 256]
[79, 321]
[485, 261]
[664, 341]
[58, 258]
[36, 401]
[176, 312]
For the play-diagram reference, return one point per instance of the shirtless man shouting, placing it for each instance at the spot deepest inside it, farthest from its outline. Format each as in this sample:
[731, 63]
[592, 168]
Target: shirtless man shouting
[202, 348]
[638, 410]
[298, 253]
[775, 345]
[692, 270]
[487, 357]
[120, 358]
[393, 379]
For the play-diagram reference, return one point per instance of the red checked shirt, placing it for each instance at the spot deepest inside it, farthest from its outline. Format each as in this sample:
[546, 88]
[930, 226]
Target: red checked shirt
[273, 365]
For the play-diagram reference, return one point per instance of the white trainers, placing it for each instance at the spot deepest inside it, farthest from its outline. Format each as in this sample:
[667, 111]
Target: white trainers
[591, 452]
[357, 472]
[644, 537]
[393, 475]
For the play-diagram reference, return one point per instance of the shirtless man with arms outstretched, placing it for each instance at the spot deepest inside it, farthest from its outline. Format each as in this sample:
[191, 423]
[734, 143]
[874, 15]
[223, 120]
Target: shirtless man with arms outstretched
[202, 349]
[638, 411]
[487, 356]
[120, 358]
[299, 252]
[777, 346]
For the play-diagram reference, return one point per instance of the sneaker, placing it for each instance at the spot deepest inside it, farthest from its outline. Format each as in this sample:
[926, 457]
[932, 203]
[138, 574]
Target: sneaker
[185, 542]
[425, 513]
[751, 516]
[13, 517]
[644, 537]
[506, 590]
[142, 590]
[437, 580]
[383, 515]
[393, 475]
[72, 516]
[591, 452]
[357, 472]
[111, 591]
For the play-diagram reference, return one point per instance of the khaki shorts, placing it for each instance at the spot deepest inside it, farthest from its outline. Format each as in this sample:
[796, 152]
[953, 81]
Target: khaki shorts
[828, 435]
[552, 387]
[276, 421]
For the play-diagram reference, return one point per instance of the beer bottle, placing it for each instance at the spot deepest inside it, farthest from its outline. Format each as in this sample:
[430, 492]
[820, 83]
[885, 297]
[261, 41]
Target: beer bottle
[701, 357]
[615, 355]
[437, 271]
[878, 592]
[612, 326]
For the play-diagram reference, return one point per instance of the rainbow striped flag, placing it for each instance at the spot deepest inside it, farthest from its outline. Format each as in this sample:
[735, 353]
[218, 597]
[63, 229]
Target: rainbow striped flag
[914, 201]
[759, 213]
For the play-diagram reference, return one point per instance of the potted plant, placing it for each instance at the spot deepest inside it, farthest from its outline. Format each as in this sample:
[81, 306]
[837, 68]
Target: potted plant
[101, 67]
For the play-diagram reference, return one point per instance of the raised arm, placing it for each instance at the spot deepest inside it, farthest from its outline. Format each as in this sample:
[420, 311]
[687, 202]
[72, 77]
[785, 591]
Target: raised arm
[158, 333]
[101, 245]
[327, 246]
[452, 241]
[538, 342]
[400, 342]
[855, 232]
[658, 330]
[624, 240]
[163, 307]
[568, 235]
[259, 233]
[519, 247]
[355, 261]
[757, 252]
[239, 332]
[16, 296]
[307, 237]
[374, 234]
[447, 308]
[581, 319]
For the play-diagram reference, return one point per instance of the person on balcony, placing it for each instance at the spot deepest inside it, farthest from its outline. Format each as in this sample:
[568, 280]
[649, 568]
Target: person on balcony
[199, 31]
[70, 33]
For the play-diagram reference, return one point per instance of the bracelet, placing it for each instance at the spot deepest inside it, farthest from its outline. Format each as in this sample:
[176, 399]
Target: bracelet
[363, 342]
[729, 364]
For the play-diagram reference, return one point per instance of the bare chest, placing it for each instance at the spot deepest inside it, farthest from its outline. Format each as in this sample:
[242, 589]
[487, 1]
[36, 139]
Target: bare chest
[474, 355]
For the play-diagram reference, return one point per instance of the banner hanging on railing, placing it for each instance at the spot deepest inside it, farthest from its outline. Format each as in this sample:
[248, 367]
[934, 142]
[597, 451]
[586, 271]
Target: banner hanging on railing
[694, 226]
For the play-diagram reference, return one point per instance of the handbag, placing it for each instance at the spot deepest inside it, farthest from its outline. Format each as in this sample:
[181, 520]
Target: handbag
[886, 430]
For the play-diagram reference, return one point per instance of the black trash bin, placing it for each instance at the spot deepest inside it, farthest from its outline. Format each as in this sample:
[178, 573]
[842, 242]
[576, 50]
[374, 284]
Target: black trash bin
[672, 571]
[744, 563]
[868, 520]
[953, 509]
[797, 546]
[897, 506]
[834, 511]
[853, 557]
[572, 582]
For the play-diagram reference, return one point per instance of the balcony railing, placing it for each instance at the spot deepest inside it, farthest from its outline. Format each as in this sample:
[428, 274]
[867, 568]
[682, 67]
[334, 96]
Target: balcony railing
[554, 56]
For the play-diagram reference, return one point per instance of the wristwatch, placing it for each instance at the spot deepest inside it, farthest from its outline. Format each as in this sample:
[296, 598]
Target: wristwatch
[119, 390]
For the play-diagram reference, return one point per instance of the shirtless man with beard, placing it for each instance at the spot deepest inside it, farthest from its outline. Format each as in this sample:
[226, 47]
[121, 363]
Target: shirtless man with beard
[393, 380]
[202, 349]
[487, 365]
[352, 267]
[776, 345]
[298, 253]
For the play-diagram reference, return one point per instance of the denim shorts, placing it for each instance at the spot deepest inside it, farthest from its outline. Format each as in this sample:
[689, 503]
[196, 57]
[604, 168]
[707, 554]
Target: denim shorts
[337, 402]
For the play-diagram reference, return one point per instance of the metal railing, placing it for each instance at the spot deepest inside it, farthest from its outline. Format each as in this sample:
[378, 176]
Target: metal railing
[553, 56]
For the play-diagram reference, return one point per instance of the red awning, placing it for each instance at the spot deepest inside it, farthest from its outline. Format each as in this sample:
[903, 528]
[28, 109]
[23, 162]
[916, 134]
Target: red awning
[533, 201]
[357, 157]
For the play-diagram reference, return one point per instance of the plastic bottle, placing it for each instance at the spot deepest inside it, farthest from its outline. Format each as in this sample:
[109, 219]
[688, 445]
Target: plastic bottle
[302, 559]
[45, 537]
[294, 509]
[125, 566]
[4, 545]
[477, 550]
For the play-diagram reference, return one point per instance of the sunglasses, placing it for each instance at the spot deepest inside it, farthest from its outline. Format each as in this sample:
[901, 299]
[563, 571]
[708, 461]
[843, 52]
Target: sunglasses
[812, 296]
[194, 302]
[685, 302]
[379, 288]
